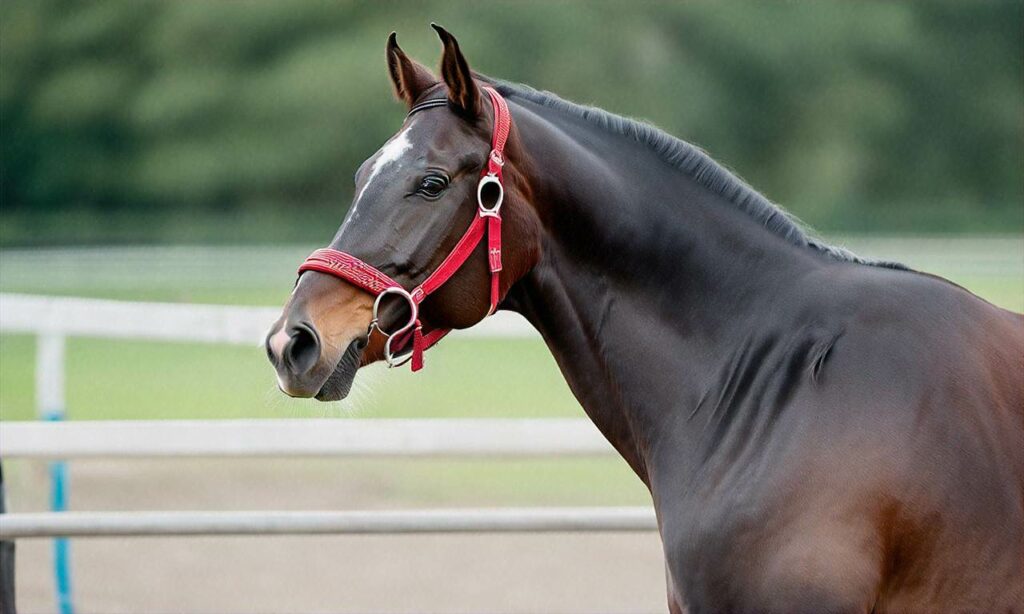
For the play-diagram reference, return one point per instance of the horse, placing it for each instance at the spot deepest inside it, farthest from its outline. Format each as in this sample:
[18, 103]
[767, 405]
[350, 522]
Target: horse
[819, 432]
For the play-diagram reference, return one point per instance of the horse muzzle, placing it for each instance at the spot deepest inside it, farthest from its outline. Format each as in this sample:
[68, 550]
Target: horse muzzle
[317, 345]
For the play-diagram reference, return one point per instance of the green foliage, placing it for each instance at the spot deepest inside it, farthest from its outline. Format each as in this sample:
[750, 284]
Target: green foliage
[856, 116]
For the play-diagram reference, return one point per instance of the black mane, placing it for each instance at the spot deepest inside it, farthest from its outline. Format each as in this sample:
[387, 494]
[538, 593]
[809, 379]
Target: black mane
[699, 165]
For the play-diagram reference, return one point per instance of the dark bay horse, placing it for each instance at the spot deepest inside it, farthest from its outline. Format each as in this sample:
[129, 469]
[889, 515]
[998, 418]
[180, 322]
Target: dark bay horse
[819, 433]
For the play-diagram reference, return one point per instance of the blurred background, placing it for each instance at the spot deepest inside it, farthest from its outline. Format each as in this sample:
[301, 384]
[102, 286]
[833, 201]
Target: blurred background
[243, 121]
[197, 151]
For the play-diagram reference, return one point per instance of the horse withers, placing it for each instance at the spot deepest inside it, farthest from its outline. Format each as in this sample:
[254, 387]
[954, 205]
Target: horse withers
[819, 432]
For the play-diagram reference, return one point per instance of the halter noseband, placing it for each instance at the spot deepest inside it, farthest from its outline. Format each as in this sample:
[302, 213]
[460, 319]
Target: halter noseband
[488, 221]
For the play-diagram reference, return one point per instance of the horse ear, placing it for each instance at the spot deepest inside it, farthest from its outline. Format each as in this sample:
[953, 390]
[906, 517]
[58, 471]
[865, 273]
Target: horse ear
[409, 77]
[462, 90]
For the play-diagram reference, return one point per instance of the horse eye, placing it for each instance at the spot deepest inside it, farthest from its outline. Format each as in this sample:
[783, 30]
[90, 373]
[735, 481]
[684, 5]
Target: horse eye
[432, 185]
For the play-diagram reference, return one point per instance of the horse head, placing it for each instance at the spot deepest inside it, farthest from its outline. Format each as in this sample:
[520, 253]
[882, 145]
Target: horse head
[405, 235]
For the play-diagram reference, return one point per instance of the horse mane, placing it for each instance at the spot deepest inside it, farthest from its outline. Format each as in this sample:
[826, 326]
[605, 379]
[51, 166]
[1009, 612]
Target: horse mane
[693, 161]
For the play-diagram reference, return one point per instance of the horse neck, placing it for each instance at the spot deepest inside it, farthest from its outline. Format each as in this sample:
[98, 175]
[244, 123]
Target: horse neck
[646, 279]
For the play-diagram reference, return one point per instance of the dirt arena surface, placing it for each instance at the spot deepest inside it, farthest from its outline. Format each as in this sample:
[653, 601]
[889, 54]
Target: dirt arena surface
[432, 573]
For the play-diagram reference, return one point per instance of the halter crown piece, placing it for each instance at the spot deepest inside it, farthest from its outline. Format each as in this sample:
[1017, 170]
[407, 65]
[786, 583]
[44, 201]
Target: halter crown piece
[487, 221]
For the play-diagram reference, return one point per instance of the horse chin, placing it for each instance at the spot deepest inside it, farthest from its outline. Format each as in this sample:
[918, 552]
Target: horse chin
[339, 384]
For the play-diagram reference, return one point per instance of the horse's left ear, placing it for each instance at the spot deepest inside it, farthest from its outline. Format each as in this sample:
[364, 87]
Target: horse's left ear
[462, 90]
[409, 78]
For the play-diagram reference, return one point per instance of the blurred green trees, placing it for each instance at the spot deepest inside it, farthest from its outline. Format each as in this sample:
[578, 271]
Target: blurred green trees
[245, 120]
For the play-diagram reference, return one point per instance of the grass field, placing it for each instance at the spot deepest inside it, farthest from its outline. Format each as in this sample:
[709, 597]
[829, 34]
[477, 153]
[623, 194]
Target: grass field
[142, 380]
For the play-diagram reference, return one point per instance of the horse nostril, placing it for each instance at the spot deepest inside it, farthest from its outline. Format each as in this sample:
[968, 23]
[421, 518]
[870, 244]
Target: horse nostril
[303, 349]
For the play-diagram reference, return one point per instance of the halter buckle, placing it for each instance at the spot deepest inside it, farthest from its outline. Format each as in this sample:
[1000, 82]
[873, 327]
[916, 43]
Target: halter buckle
[485, 211]
[497, 158]
[389, 356]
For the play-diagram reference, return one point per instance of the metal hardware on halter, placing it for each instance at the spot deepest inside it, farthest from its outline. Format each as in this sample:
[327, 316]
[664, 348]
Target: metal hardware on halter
[497, 158]
[375, 324]
[486, 180]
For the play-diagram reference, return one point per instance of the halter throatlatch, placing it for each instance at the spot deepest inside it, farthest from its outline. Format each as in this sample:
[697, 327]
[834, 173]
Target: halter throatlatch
[487, 221]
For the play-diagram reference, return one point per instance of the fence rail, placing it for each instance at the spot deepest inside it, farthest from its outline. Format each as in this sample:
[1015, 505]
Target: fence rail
[472, 437]
[86, 317]
[53, 319]
[166, 524]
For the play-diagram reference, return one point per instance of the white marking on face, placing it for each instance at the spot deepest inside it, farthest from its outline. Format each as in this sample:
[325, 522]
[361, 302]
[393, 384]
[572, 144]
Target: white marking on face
[391, 153]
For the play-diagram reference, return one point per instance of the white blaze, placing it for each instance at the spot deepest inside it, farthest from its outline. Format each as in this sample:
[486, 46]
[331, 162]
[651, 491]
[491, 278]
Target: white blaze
[391, 153]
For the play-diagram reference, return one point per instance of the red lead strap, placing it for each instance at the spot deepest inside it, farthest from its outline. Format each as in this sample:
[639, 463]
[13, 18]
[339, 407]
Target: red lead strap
[487, 221]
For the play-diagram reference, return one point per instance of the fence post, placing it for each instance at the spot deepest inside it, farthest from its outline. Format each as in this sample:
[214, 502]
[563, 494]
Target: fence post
[7, 604]
[50, 404]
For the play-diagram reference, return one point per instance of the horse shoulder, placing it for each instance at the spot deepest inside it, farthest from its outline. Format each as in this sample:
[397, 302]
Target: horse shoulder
[888, 452]
[930, 375]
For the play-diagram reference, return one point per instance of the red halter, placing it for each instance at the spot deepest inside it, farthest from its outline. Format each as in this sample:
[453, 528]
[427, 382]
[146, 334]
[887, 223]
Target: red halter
[488, 221]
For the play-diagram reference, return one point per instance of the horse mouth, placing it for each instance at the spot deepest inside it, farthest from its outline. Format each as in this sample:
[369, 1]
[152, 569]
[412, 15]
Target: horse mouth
[339, 384]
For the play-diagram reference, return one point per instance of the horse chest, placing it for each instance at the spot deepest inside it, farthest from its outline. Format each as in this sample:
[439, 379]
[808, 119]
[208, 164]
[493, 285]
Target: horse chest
[743, 547]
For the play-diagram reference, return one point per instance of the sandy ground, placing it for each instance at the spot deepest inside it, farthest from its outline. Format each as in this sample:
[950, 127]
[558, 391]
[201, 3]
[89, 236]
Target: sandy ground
[438, 573]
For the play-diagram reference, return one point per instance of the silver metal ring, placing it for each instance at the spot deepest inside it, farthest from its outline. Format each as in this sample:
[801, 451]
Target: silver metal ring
[484, 181]
[389, 357]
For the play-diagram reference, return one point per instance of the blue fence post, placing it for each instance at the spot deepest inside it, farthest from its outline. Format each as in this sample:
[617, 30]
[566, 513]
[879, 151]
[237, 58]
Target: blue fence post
[50, 404]
[7, 605]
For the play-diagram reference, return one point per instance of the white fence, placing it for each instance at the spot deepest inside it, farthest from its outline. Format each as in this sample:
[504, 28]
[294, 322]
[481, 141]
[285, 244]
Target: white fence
[313, 437]
[85, 317]
[507, 520]
[54, 318]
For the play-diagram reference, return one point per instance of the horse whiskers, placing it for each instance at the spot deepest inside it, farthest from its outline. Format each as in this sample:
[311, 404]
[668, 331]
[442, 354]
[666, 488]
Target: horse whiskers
[275, 400]
[360, 397]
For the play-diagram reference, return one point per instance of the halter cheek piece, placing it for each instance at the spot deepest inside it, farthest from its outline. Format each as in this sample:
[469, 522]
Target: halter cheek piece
[487, 221]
